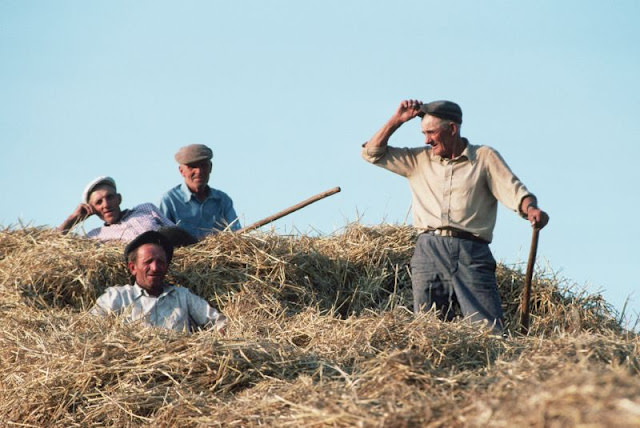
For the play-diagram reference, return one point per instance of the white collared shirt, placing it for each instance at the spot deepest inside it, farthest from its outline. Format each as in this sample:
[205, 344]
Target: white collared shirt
[177, 308]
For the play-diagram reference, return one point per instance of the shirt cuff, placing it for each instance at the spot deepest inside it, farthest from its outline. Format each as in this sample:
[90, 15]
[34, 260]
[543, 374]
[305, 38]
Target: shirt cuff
[535, 203]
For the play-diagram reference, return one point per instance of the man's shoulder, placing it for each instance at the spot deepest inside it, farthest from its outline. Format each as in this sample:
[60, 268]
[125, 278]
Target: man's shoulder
[476, 150]
[484, 151]
[176, 193]
[121, 288]
[179, 290]
[175, 190]
[481, 148]
[119, 291]
[218, 194]
[145, 208]
[94, 232]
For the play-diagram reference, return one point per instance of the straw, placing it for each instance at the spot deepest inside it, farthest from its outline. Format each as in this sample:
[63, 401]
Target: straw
[320, 335]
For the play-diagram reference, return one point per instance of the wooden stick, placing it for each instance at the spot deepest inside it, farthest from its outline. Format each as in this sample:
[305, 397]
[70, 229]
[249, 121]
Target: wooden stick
[526, 297]
[290, 210]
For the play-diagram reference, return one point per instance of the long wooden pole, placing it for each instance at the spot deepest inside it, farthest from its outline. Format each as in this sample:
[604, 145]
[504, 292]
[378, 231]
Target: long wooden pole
[526, 297]
[289, 210]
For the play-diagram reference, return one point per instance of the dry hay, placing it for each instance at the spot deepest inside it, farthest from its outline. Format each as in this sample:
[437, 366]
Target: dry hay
[320, 336]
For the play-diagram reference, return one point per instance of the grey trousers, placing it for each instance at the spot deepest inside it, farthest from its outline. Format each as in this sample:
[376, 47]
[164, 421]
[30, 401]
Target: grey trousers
[446, 271]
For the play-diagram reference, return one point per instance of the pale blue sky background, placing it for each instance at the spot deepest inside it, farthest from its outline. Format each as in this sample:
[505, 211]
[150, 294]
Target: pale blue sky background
[285, 92]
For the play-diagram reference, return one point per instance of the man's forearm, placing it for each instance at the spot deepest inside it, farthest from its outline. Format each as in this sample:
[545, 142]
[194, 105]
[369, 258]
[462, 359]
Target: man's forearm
[68, 224]
[381, 138]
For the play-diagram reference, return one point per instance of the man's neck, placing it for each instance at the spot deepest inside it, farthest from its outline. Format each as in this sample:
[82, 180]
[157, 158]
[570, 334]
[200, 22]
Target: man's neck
[458, 147]
[154, 291]
[122, 214]
[200, 194]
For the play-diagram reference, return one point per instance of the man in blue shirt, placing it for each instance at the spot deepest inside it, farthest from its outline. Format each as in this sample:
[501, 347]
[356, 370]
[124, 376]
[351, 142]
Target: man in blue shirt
[193, 205]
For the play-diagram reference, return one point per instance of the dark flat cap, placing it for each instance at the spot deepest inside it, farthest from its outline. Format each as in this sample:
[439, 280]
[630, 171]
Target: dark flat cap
[444, 110]
[193, 153]
[149, 237]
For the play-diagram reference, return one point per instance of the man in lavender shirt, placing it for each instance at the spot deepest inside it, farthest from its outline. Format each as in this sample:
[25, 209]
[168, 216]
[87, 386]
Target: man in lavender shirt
[101, 198]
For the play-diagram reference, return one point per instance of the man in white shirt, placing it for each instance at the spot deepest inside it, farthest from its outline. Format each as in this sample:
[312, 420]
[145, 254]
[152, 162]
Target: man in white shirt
[150, 301]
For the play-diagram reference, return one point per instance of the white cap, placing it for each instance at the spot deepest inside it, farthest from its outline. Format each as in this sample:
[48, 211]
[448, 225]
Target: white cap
[95, 183]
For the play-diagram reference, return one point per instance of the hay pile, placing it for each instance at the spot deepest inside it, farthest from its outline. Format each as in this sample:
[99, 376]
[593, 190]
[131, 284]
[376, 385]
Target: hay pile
[320, 336]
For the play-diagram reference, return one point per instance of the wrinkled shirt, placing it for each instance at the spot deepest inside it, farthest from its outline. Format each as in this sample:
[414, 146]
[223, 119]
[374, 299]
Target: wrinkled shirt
[177, 308]
[133, 222]
[200, 219]
[459, 193]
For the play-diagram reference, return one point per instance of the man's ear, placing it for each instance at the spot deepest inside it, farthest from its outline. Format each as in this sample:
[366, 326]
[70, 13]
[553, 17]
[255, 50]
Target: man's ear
[132, 268]
[454, 129]
[119, 196]
[181, 169]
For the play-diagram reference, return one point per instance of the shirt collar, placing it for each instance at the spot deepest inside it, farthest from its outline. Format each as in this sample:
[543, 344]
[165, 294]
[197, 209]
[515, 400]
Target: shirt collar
[139, 291]
[469, 153]
[187, 194]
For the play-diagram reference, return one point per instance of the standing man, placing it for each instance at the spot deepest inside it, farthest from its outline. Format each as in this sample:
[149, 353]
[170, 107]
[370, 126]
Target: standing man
[455, 188]
[101, 198]
[150, 300]
[193, 205]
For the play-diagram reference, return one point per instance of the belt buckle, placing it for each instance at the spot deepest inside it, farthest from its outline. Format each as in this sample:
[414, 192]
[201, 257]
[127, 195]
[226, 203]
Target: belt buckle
[443, 232]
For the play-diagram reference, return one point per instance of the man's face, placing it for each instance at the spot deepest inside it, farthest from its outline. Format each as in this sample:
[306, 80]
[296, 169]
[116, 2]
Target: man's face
[440, 136]
[196, 174]
[106, 202]
[149, 267]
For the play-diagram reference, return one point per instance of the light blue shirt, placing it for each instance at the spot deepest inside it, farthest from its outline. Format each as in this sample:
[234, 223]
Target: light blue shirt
[214, 214]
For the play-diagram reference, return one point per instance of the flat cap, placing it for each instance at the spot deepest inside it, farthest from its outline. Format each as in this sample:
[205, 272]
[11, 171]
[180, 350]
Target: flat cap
[149, 237]
[95, 183]
[193, 153]
[444, 110]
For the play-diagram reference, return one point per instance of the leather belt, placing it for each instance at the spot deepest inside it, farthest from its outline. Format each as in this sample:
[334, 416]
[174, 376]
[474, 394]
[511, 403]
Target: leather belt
[455, 233]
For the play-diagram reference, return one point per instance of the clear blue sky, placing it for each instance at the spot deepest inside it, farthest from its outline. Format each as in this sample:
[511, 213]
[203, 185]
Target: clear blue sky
[285, 92]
